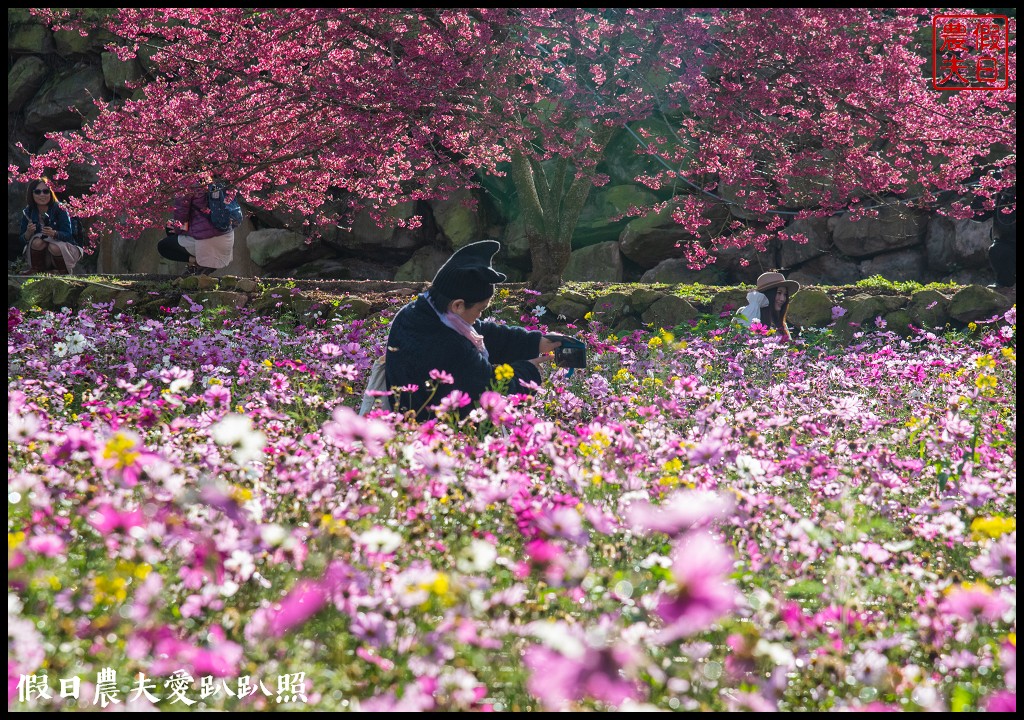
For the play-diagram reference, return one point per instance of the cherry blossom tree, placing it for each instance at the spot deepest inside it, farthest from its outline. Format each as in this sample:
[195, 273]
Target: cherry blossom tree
[774, 113]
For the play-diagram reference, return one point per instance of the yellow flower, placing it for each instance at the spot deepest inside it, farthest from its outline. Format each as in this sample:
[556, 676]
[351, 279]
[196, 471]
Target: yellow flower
[440, 585]
[984, 382]
[1009, 354]
[14, 540]
[504, 372]
[992, 527]
[986, 362]
[654, 342]
[68, 397]
[121, 448]
[673, 466]
[589, 316]
[972, 326]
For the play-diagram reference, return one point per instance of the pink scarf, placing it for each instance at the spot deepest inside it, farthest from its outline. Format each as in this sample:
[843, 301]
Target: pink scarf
[462, 327]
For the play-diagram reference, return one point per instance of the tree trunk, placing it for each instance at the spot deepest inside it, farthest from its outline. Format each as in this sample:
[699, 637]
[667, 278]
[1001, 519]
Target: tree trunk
[551, 209]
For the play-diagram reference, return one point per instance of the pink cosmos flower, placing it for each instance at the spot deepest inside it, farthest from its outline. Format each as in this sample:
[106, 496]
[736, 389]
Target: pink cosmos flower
[681, 511]
[347, 426]
[703, 592]
[442, 377]
[48, 545]
[563, 522]
[106, 519]
[974, 602]
[557, 679]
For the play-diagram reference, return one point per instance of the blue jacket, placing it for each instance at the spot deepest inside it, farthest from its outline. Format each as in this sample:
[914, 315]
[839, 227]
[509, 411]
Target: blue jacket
[56, 217]
[419, 342]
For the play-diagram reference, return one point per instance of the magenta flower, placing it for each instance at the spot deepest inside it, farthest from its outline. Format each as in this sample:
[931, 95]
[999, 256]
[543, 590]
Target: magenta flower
[703, 592]
[106, 519]
[1004, 701]
[299, 605]
[563, 522]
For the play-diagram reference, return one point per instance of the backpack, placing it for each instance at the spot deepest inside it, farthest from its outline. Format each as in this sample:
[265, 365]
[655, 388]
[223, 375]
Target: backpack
[225, 215]
[77, 231]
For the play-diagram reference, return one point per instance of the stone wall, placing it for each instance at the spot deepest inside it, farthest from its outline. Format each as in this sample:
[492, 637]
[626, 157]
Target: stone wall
[618, 311]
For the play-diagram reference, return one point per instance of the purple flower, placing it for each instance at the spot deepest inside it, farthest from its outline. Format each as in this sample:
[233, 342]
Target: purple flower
[702, 592]
[837, 312]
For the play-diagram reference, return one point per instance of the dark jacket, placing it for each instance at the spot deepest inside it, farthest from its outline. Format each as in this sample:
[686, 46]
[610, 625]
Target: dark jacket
[419, 342]
[56, 217]
[194, 208]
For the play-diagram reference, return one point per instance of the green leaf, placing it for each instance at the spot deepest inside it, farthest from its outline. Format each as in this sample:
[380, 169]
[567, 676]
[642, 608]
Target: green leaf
[962, 699]
[805, 589]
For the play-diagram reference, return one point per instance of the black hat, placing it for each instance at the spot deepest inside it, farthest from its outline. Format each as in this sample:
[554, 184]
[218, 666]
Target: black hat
[468, 274]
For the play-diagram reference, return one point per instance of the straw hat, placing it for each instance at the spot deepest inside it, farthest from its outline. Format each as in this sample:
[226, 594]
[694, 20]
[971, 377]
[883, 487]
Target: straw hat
[769, 280]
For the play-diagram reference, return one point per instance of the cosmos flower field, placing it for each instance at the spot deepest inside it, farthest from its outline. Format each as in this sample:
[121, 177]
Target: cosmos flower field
[702, 520]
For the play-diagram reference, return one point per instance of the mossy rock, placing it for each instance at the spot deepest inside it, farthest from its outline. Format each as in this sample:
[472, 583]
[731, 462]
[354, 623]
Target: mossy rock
[281, 299]
[239, 284]
[728, 301]
[96, 294]
[562, 307]
[627, 325]
[643, 298]
[13, 292]
[976, 302]
[811, 308]
[929, 309]
[51, 293]
[221, 298]
[669, 312]
[354, 307]
[609, 309]
[900, 322]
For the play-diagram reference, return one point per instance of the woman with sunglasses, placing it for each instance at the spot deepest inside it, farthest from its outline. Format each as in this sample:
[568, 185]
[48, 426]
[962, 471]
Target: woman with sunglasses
[46, 232]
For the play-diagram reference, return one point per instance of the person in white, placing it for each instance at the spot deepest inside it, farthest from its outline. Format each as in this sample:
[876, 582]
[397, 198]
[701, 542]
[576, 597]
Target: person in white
[768, 302]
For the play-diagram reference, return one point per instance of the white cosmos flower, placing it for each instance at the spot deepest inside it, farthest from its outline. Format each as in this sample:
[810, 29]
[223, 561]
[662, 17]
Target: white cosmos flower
[60, 349]
[380, 540]
[557, 636]
[236, 431]
[180, 384]
[479, 557]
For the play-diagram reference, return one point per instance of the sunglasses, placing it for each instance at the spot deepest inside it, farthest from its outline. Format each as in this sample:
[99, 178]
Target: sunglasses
[41, 191]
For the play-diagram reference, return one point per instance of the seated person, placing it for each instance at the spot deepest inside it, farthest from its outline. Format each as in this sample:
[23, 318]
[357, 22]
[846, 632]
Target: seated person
[768, 303]
[441, 330]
